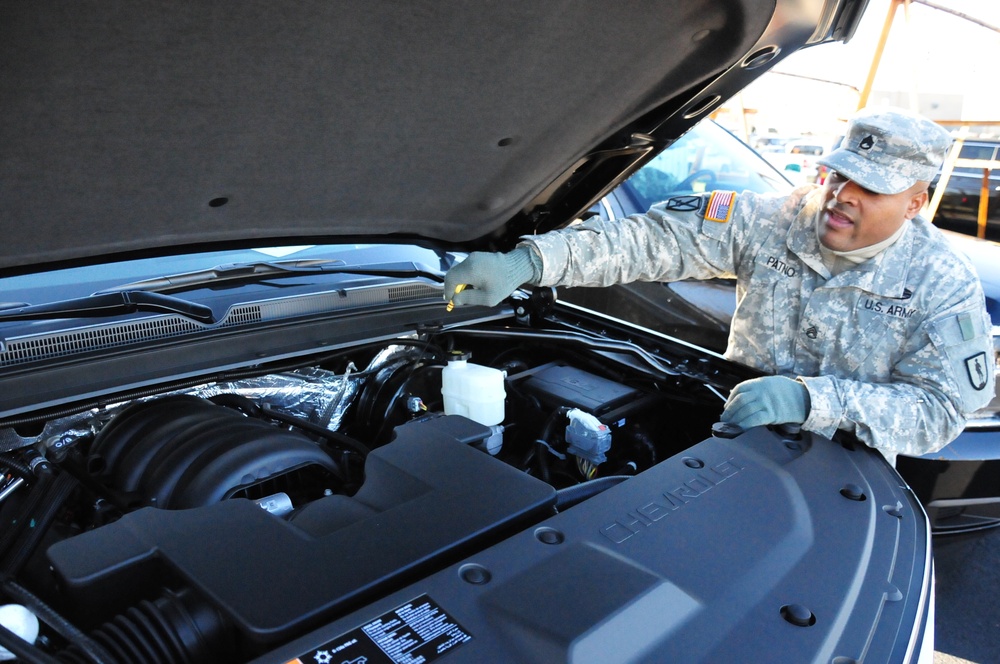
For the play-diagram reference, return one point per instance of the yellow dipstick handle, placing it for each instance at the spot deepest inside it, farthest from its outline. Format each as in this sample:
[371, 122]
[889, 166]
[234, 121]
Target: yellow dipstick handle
[451, 303]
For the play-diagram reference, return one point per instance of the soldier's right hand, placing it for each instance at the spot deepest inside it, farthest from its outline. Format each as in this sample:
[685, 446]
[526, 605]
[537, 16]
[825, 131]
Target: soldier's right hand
[488, 278]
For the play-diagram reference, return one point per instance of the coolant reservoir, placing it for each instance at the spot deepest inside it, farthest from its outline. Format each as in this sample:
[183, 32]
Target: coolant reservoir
[22, 622]
[472, 390]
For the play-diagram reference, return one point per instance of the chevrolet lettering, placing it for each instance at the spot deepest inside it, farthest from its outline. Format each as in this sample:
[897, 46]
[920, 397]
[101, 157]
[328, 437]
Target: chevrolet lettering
[647, 514]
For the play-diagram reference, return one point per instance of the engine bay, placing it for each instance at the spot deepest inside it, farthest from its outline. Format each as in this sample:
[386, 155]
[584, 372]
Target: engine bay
[213, 522]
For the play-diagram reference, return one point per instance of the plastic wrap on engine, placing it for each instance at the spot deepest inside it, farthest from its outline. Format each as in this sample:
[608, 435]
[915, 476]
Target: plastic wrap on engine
[319, 396]
[316, 395]
[60, 432]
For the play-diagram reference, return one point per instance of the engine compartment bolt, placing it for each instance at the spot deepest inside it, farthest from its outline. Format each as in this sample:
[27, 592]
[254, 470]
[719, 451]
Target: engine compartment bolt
[798, 615]
[726, 430]
[475, 574]
[549, 536]
[853, 492]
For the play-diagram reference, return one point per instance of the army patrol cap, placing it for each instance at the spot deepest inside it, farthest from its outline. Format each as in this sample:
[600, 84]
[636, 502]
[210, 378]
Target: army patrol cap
[889, 150]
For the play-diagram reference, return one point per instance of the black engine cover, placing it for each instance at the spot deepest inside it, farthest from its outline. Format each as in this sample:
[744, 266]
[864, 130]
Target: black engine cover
[425, 496]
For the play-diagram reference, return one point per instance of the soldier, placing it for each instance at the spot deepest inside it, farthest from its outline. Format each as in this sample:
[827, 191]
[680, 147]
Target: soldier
[867, 318]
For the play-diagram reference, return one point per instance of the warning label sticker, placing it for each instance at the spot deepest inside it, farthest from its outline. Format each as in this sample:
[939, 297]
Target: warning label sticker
[417, 632]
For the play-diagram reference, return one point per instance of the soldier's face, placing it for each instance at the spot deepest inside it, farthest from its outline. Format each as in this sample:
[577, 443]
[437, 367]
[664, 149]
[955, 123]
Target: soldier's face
[855, 217]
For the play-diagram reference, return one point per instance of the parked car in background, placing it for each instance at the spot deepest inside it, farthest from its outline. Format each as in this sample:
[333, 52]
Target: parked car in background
[959, 485]
[238, 422]
[797, 160]
[769, 143]
[959, 207]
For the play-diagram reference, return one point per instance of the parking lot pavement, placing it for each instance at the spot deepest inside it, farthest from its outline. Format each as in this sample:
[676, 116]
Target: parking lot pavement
[968, 598]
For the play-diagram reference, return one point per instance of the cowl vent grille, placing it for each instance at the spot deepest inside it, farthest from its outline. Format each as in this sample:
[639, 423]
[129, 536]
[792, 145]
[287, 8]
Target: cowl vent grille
[408, 292]
[33, 348]
[61, 344]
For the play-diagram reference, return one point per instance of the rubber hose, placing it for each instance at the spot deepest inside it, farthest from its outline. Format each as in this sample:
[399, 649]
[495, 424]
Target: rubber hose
[24, 651]
[19, 468]
[61, 489]
[571, 495]
[94, 652]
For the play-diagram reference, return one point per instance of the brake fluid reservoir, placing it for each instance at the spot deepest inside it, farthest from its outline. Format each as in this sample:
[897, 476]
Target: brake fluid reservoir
[472, 390]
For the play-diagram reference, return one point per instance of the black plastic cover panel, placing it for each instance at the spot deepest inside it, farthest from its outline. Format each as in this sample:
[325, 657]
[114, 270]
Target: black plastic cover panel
[708, 557]
[559, 385]
[425, 495]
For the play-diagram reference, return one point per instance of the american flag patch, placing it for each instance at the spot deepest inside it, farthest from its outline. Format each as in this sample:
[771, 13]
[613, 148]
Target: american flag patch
[720, 206]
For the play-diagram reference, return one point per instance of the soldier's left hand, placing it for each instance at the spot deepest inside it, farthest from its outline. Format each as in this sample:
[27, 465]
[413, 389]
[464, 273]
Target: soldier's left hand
[767, 400]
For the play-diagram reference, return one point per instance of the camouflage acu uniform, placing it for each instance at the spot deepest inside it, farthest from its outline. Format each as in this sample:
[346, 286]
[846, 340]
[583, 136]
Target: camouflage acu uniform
[896, 350]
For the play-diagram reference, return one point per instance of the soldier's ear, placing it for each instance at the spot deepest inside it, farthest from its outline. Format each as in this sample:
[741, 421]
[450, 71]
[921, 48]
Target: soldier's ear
[916, 203]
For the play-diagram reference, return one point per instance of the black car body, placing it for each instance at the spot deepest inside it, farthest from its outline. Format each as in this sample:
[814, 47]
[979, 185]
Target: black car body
[229, 424]
[958, 485]
[962, 198]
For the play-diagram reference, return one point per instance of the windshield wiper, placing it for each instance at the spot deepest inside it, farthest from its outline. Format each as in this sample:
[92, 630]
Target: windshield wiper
[258, 271]
[148, 294]
[110, 304]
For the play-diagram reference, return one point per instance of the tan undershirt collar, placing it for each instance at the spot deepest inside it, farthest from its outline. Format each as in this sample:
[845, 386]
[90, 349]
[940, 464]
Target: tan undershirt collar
[838, 261]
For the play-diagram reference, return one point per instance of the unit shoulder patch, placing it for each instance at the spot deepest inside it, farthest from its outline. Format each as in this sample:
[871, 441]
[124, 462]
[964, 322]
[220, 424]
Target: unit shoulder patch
[685, 203]
[976, 368]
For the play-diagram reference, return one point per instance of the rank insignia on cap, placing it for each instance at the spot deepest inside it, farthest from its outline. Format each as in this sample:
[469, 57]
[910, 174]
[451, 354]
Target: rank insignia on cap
[867, 143]
[684, 203]
[976, 366]
[720, 206]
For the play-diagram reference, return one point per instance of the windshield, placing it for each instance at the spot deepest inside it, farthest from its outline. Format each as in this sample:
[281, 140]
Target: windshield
[81, 281]
[707, 157]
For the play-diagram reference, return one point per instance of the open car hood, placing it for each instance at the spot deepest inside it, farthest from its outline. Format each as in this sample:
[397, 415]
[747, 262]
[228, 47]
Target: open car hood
[142, 126]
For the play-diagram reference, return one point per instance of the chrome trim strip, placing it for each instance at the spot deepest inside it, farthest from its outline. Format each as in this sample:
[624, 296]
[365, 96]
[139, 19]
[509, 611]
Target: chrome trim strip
[607, 208]
[960, 502]
[925, 607]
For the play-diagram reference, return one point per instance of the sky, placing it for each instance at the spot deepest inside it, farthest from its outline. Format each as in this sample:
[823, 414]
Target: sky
[936, 52]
